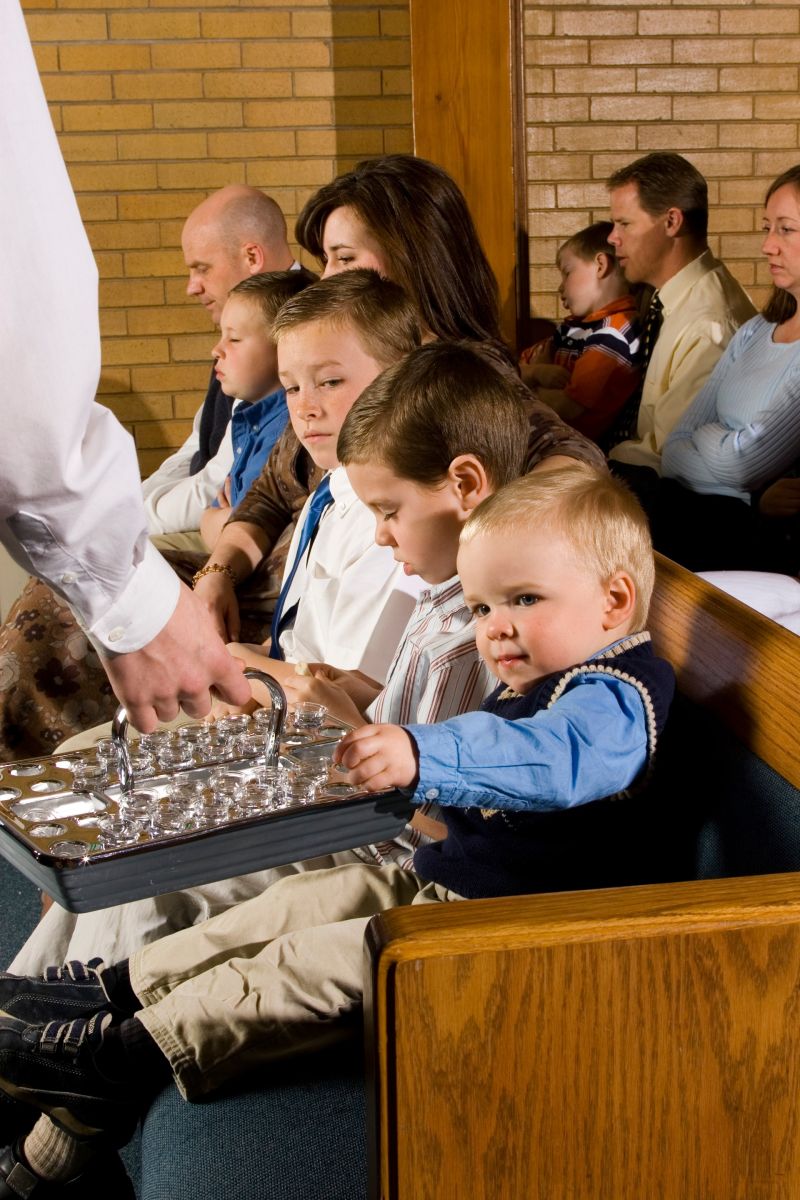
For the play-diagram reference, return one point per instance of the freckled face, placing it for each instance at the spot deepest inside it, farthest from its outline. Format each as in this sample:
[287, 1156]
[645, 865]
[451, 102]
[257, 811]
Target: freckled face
[324, 371]
[347, 243]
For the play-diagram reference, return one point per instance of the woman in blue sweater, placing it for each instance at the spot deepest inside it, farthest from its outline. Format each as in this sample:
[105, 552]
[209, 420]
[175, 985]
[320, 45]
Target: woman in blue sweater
[729, 499]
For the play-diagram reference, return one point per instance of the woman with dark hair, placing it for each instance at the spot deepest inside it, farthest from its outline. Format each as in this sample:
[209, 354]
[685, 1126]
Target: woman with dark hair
[405, 217]
[727, 500]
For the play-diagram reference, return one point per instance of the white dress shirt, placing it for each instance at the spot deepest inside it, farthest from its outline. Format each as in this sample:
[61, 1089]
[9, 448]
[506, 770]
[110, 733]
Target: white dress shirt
[354, 599]
[70, 496]
[174, 500]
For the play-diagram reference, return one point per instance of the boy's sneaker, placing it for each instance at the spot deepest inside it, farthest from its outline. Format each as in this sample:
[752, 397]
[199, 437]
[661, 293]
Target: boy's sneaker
[105, 1176]
[62, 1068]
[74, 990]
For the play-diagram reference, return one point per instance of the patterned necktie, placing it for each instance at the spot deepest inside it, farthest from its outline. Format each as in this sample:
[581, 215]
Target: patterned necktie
[319, 502]
[628, 419]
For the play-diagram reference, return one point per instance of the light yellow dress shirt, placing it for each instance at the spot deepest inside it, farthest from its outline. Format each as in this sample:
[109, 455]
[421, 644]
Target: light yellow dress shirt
[703, 307]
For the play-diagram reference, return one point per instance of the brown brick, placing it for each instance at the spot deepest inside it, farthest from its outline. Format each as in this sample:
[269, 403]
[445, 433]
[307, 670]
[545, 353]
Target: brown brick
[336, 83]
[399, 140]
[384, 53]
[325, 141]
[292, 113]
[676, 79]
[98, 208]
[268, 172]
[381, 111]
[741, 191]
[541, 195]
[46, 57]
[396, 81]
[157, 85]
[154, 262]
[193, 56]
[77, 87]
[244, 25]
[202, 114]
[175, 318]
[558, 166]
[127, 351]
[571, 108]
[730, 220]
[55, 116]
[150, 460]
[208, 175]
[162, 145]
[757, 79]
[335, 24]
[108, 116]
[677, 137]
[722, 162]
[712, 50]
[192, 347]
[772, 21]
[584, 137]
[712, 108]
[583, 195]
[538, 79]
[777, 50]
[350, 141]
[761, 136]
[250, 144]
[542, 251]
[630, 108]
[112, 322]
[153, 27]
[105, 57]
[164, 378]
[140, 407]
[394, 23]
[162, 433]
[776, 106]
[159, 205]
[124, 235]
[743, 271]
[559, 51]
[67, 27]
[116, 380]
[537, 23]
[88, 147]
[114, 177]
[678, 22]
[631, 51]
[242, 84]
[741, 245]
[558, 224]
[775, 162]
[591, 22]
[538, 138]
[285, 54]
[109, 265]
[185, 404]
[131, 292]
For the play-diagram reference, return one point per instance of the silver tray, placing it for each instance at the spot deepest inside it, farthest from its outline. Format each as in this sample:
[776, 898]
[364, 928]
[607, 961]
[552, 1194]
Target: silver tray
[53, 833]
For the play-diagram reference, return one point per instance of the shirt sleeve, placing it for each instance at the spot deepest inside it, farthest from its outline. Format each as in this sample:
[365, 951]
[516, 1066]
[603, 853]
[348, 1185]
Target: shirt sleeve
[174, 500]
[590, 744]
[70, 494]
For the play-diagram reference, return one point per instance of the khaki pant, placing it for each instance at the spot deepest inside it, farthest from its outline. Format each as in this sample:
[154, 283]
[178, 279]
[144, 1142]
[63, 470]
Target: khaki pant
[271, 977]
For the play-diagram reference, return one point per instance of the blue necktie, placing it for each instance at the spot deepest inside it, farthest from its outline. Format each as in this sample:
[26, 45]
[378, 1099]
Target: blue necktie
[319, 502]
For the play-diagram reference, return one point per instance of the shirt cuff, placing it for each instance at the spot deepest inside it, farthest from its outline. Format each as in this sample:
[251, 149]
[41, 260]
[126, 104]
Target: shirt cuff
[141, 610]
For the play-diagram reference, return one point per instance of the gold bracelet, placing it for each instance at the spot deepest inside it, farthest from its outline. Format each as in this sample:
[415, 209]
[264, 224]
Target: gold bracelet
[214, 569]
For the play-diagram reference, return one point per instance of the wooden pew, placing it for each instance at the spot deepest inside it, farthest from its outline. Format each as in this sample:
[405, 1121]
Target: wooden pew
[636, 1043]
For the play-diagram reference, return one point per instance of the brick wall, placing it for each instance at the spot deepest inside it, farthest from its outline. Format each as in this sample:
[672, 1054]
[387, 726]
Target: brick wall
[158, 103]
[607, 82]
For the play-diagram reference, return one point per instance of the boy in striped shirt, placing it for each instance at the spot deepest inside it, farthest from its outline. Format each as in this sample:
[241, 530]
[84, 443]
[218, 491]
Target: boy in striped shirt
[592, 363]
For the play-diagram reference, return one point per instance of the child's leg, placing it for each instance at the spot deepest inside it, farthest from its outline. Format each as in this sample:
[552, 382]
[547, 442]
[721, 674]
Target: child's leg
[270, 977]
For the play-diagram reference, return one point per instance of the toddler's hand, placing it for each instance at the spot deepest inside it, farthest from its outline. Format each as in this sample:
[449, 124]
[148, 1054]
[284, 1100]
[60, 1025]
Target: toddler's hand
[378, 757]
[317, 688]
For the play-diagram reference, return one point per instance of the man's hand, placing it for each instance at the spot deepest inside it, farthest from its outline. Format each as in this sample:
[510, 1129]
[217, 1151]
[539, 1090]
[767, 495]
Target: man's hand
[177, 670]
[217, 595]
[378, 757]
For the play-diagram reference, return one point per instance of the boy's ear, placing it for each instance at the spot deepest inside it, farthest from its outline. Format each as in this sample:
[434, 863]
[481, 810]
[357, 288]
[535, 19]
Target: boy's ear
[606, 264]
[620, 600]
[468, 476]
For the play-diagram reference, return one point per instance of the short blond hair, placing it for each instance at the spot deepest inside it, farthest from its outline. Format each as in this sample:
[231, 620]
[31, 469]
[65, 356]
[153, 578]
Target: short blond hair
[596, 514]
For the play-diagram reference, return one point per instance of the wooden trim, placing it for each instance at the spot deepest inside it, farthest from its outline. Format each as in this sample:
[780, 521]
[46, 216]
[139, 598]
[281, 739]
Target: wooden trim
[464, 71]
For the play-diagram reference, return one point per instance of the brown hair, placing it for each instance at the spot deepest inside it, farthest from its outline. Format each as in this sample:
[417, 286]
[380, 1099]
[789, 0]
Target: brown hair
[420, 219]
[665, 180]
[781, 304]
[596, 514]
[377, 309]
[271, 289]
[443, 400]
[587, 243]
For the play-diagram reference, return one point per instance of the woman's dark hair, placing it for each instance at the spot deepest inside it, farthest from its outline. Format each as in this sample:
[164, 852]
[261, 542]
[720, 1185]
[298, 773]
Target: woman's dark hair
[781, 304]
[420, 219]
